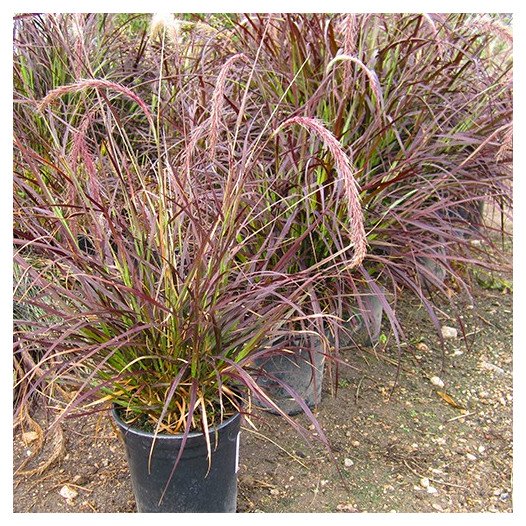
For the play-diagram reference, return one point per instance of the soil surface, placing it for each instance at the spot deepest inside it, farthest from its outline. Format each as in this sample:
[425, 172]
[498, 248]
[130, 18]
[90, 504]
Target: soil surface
[426, 447]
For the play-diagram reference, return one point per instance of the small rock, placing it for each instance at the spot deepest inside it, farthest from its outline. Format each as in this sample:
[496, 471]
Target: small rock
[435, 380]
[68, 493]
[469, 456]
[274, 491]
[29, 437]
[504, 496]
[497, 492]
[355, 443]
[431, 489]
[348, 463]
[449, 333]
[481, 449]
[437, 507]
[458, 352]
[492, 367]
[424, 482]
[349, 508]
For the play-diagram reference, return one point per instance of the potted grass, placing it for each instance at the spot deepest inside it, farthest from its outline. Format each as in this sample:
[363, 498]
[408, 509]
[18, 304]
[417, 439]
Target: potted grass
[148, 310]
[154, 314]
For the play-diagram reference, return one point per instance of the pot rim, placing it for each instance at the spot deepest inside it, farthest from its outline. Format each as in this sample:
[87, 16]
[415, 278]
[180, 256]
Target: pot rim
[165, 436]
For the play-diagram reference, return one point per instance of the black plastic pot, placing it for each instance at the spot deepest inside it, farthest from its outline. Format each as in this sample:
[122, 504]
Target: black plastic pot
[301, 370]
[190, 489]
[358, 330]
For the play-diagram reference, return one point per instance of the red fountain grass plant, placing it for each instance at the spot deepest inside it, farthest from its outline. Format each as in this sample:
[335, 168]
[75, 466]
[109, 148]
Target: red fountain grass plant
[136, 265]
[422, 106]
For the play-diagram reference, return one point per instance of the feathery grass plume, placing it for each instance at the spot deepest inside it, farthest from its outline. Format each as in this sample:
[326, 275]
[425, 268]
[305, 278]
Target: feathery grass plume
[343, 167]
[217, 101]
[162, 22]
[83, 84]
[492, 27]
[175, 27]
[350, 31]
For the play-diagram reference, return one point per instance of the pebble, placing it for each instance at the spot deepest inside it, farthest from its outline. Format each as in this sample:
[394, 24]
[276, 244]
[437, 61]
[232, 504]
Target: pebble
[355, 443]
[274, 491]
[424, 482]
[481, 449]
[68, 493]
[492, 367]
[471, 457]
[431, 489]
[348, 463]
[449, 333]
[435, 380]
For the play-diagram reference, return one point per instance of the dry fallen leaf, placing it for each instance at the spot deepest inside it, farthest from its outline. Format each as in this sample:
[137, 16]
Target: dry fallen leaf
[450, 400]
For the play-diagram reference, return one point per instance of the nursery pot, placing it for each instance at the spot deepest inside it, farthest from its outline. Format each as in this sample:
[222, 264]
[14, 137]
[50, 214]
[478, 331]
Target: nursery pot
[302, 370]
[192, 488]
[357, 330]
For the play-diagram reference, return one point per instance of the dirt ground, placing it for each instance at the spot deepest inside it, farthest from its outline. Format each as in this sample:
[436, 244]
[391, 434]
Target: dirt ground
[427, 448]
